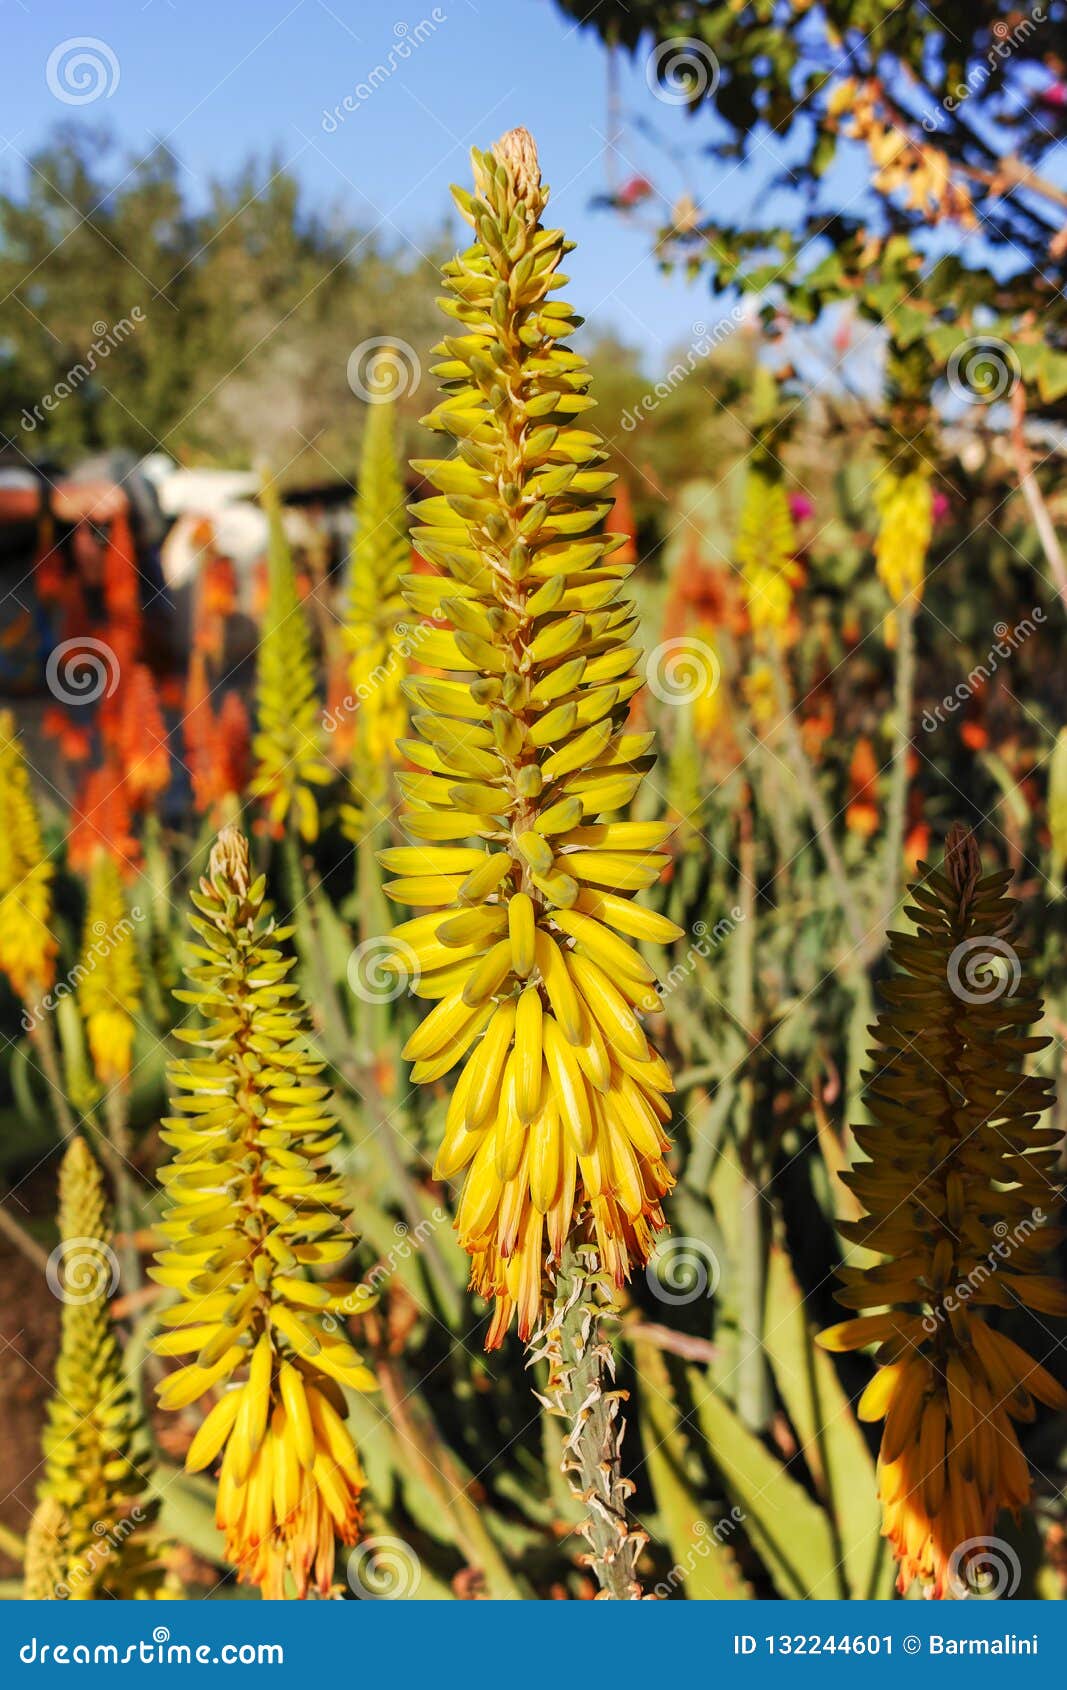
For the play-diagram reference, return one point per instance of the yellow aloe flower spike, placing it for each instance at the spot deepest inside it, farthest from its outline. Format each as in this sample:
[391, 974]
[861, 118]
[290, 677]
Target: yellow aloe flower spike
[109, 978]
[253, 1213]
[766, 555]
[905, 512]
[557, 1117]
[27, 944]
[44, 1570]
[375, 632]
[97, 1460]
[959, 1187]
[288, 741]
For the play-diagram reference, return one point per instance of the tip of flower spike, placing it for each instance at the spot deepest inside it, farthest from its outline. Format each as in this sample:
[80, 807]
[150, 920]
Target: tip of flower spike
[508, 179]
[78, 1158]
[229, 860]
[963, 863]
[517, 152]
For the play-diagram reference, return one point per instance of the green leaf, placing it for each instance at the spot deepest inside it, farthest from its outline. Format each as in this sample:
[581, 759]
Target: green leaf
[1052, 374]
[944, 340]
[705, 1569]
[830, 1437]
[1057, 805]
[790, 1531]
[1029, 354]
[907, 324]
[823, 154]
[187, 1513]
[885, 297]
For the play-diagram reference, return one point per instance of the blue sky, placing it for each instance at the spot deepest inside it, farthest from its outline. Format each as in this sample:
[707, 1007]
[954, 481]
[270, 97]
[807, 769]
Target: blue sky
[223, 80]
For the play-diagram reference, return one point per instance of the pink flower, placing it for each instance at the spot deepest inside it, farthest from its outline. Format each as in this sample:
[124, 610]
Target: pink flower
[801, 507]
[634, 191]
[940, 505]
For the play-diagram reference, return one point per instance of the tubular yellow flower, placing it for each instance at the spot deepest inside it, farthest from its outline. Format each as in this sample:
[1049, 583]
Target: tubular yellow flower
[766, 554]
[905, 513]
[109, 989]
[252, 1210]
[958, 1190]
[96, 1453]
[287, 744]
[374, 624]
[557, 1116]
[27, 944]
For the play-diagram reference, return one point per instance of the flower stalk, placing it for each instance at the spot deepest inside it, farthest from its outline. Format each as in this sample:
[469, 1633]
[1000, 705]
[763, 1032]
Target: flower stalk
[580, 1391]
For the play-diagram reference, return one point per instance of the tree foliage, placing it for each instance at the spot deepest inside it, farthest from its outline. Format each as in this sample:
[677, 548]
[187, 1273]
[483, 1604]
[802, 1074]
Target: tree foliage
[225, 327]
[951, 113]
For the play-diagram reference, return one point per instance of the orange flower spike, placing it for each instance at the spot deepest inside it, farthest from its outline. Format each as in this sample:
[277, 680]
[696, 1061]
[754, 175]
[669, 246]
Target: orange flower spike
[198, 734]
[73, 739]
[218, 744]
[216, 601]
[862, 813]
[122, 591]
[101, 821]
[235, 746]
[220, 586]
[958, 1185]
[141, 738]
